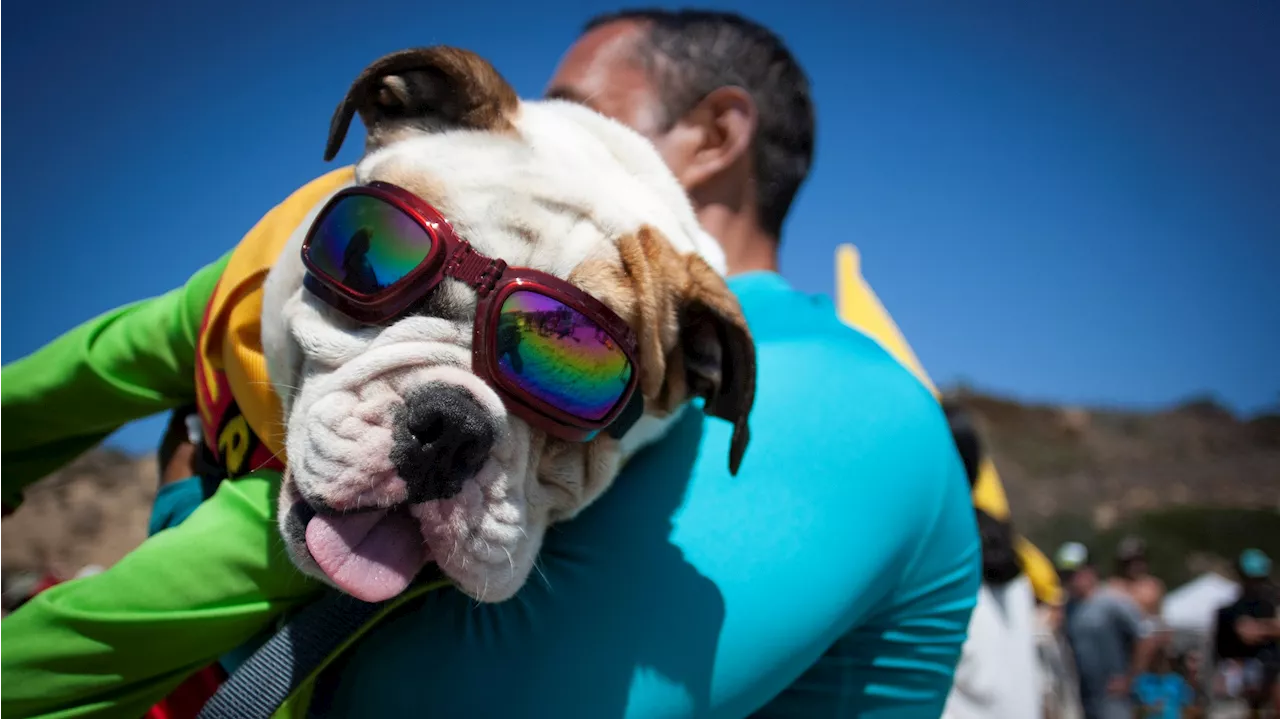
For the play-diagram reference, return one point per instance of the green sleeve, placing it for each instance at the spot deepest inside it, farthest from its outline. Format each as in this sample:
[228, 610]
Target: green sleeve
[124, 365]
[115, 643]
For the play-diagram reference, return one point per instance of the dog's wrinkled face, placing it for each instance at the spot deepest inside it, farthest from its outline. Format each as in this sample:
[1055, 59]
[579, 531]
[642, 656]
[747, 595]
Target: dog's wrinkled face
[398, 454]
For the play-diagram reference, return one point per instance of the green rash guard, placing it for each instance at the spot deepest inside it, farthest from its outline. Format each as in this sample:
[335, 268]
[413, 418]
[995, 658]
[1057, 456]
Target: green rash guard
[129, 363]
[116, 643]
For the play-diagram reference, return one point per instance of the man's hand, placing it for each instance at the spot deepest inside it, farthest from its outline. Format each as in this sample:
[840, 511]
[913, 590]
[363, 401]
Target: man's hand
[181, 465]
[1118, 685]
[1053, 618]
[1251, 631]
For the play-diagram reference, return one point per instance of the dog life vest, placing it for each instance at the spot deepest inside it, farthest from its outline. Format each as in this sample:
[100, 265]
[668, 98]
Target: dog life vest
[240, 413]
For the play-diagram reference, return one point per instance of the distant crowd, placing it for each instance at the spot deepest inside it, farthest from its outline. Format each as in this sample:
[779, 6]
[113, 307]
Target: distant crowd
[1123, 661]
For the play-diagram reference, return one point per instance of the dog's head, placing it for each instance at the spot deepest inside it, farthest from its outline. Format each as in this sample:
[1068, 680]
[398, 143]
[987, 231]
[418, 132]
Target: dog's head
[399, 454]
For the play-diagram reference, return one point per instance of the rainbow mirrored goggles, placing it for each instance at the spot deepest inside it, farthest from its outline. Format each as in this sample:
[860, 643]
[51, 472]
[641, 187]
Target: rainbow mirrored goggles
[560, 359]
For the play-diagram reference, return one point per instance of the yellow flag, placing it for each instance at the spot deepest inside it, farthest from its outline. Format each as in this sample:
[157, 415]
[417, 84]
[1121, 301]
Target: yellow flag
[859, 308]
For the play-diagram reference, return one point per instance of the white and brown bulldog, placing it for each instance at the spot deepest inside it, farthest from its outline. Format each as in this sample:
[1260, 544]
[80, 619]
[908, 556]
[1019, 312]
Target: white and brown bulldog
[419, 429]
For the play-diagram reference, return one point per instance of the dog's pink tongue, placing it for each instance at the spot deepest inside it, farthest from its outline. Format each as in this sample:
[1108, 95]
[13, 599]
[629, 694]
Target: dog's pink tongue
[371, 555]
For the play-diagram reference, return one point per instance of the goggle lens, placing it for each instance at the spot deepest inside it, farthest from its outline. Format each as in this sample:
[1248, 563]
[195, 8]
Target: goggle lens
[556, 354]
[367, 245]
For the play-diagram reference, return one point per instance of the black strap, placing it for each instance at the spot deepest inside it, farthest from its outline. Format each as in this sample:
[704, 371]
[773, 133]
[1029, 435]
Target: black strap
[260, 685]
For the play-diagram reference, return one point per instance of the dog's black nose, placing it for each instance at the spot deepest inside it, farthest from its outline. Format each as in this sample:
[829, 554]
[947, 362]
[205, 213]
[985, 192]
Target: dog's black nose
[441, 441]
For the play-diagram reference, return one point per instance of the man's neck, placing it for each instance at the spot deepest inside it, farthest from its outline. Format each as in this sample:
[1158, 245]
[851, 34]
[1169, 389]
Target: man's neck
[747, 248]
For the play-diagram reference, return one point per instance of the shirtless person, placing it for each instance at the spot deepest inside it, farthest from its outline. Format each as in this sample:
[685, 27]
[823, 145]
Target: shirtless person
[1133, 577]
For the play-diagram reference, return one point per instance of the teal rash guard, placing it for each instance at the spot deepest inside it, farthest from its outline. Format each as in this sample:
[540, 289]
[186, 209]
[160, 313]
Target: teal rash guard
[833, 577]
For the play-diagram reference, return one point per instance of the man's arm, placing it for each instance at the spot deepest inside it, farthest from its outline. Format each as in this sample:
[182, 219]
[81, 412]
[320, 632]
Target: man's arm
[1253, 630]
[1132, 623]
[123, 365]
[115, 643]
[1143, 650]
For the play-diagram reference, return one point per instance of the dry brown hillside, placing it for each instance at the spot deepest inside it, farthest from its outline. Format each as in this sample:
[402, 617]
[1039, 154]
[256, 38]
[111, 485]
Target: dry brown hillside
[1188, 474]
[1111, 464]
[92, 512]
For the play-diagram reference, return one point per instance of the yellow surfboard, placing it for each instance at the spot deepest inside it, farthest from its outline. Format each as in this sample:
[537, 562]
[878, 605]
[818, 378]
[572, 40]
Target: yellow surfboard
[860, 308]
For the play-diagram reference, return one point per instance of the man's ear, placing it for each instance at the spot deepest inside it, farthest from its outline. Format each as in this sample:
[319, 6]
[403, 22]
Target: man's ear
[711, 137]
[693, 339]
[429, 89]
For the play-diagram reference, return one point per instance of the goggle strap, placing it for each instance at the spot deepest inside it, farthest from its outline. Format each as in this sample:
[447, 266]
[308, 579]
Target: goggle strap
[628, 417]
[478, 271]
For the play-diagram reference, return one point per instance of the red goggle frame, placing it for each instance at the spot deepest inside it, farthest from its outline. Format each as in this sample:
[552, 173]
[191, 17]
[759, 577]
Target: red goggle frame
[494, 281]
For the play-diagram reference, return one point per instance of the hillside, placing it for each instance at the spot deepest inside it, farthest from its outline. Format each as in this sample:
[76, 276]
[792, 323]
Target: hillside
[92, 512]
[1199, 482]
[1111, 464]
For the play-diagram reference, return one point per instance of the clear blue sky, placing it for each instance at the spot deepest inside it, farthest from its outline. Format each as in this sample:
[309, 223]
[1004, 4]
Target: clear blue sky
[1070, 201]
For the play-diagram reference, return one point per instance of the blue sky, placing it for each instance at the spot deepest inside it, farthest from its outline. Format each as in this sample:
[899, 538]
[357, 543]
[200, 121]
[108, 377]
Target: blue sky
[1068, 201]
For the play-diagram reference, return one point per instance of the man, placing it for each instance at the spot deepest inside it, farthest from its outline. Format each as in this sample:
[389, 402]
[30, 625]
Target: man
[1110, 639]
[652, 71]
[683, 591]
[616, 68]
[1070, 558]
[1247, 631]
[1133, 577]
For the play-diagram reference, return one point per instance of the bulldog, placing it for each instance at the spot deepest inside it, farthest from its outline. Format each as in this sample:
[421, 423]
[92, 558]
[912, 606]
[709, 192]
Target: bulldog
[512, 299]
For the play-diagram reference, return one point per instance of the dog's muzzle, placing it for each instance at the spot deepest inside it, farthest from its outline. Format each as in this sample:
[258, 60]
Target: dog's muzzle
[442, 438]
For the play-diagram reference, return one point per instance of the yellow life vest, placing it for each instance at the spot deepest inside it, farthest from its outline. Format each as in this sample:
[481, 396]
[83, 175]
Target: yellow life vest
[861, 309]
[239, 410]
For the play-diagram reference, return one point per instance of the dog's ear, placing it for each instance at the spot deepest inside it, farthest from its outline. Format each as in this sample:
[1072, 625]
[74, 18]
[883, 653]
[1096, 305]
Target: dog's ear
[694, 341]
[427, 88]
[719, 354]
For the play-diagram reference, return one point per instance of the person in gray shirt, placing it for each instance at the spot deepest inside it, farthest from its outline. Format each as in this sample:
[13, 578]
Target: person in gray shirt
[1110, 640]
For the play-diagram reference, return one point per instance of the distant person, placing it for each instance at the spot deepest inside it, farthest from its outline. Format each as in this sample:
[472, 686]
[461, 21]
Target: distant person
[357, 271]
[1162, 693]
[179, 459]
[1247, 632]
[998, 676]
[1133, 577]
[1191, 666]
[1071, 557]
[509, 336]
[177, 453]
[1067, 561]
[1111, 642]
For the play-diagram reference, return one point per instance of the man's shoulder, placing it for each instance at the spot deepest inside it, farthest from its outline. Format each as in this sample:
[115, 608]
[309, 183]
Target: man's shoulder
[808, 332]
[835, 409]
[1116, 604]
[846, 377]
[831, 401]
